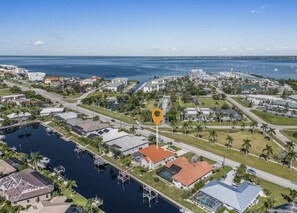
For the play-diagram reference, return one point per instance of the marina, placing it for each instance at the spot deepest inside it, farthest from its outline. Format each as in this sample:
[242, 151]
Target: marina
[91, 183]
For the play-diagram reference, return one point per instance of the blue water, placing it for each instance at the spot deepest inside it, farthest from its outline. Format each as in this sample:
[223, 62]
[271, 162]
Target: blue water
[90, 181]
[144, 68]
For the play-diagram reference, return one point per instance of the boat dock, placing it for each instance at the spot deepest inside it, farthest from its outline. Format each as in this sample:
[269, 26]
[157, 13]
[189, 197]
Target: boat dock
[149, 194]
[99, 161]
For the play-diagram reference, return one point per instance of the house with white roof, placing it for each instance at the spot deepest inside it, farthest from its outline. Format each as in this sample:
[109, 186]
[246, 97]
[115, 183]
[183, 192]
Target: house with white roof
[158, 83]
[36, 76]
[216, 194]
[12, 97]
[64, 116]
[51, 111]
[19, 116]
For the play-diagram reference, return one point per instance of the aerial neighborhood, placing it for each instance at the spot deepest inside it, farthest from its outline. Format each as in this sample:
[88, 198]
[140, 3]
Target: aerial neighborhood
[226, 143]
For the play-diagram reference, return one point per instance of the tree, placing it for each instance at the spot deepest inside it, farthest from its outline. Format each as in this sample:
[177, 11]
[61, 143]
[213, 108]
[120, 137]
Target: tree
[70, 185]
[267, 151]
[290, 157]
[270, 132]
[198, 129]
[264, 128]
[269, 203]
[35, 157]
[133, 130]
[229, 141]
[212, 136]
[246, 145]
[254, 124]
[290, 145]
[185, 126]
[98, 144]
[172, 125]
[292, 195]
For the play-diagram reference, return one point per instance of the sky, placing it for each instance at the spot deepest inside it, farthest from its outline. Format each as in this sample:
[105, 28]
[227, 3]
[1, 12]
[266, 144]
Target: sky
[148, 27]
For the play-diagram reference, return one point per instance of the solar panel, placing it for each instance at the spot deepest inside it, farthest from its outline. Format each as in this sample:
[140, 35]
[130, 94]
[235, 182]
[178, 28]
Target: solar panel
[42, 178]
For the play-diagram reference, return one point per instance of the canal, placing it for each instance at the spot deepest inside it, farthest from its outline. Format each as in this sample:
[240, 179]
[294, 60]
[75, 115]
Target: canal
[90, 181]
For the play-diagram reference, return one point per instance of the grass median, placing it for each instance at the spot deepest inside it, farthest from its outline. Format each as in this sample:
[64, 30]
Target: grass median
[109, 113]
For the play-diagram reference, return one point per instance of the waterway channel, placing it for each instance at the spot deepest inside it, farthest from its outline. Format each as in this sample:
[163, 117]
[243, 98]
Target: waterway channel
[90, 181]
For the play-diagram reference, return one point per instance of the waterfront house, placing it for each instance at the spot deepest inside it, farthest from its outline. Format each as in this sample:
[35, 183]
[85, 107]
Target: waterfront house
[26, 187]
[128, 144]
[109, 134]
[123, 81]
[115, 86]
[153, 156]
[184, 174]
[89, 81]
[85, 127]
[284, 208]
[64, 116]
[216, 194]
[158, 83]
[21, 116]
[55, 81]
[55, 205]
[15, 97]
[36, 76]
[51, 111]
[6, 168]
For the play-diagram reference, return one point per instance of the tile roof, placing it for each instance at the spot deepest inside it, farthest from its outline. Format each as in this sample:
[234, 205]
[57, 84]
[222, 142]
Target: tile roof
[24, 185]
[190, 172]
[6, 168]
[155, 154]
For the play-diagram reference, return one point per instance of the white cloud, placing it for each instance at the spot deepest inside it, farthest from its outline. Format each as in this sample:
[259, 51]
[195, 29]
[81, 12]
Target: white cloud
[174, 49]
[224, 49]
[250, 49]
[35, 42]
[259, 9]
[38, 43]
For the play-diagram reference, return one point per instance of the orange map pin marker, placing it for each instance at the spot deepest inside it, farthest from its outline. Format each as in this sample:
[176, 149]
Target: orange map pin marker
[157, 115]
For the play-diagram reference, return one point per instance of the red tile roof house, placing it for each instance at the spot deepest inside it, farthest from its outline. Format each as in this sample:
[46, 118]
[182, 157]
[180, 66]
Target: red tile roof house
[153, 156]
[185, 174]
[26, 187]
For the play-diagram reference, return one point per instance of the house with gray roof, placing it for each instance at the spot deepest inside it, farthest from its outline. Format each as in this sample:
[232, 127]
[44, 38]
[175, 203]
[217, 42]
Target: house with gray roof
[128, 144]
[64, 116]
[26, 187]
[216, 194]
[84, 127]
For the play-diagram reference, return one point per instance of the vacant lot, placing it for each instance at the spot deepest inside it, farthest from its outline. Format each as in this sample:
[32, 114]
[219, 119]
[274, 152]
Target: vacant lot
[275, 119]
[209, 102]
[5, 92]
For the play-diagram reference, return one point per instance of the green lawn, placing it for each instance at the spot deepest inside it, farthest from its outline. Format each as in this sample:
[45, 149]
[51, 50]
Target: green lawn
[275, 119]
[241, 101]
[5, 92]
[109, 113]
[209, 102]
[289, 134]
[255, 162]
[69, 101]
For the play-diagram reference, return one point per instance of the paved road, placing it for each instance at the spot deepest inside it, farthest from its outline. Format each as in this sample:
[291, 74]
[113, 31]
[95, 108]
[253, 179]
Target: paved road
[261, 174]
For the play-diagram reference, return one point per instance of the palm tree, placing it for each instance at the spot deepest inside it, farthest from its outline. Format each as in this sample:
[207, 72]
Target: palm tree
[270, 132]
[70, 185]
[89, 206]
[35, 157]
[198, 129]
[229, 140]
[269, 151]
[98, 144]
[290, 157]
[290, 145]
[172, 125]
[292, 195]
[133, 130]
[264, 128]
[269, 203]
[185, 127]
[246, 145]
[254, 124]
[243, 125]
[212, 136]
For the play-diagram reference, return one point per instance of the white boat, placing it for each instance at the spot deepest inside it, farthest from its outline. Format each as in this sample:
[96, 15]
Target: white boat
[41, 165]
[45, 160]
[13, 148]
[275, 70]
[2, 137]
[49, 130]
[59, 169]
